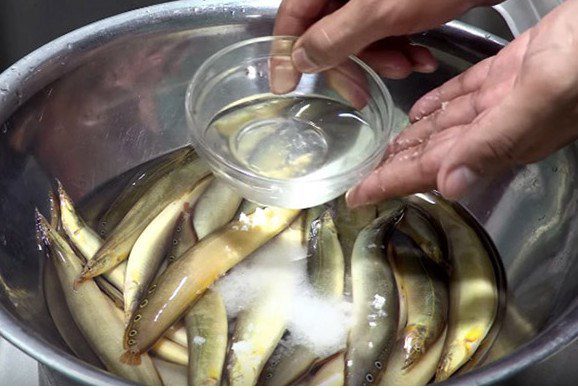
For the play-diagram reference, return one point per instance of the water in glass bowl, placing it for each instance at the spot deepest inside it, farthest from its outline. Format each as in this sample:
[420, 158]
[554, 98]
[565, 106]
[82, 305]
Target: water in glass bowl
[285, 138]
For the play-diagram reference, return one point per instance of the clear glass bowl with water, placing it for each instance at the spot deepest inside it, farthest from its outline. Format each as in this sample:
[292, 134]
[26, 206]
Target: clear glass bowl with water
[282, 138]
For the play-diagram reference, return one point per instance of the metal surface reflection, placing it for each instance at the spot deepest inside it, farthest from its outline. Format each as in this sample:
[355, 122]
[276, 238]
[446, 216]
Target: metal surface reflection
[108, 97]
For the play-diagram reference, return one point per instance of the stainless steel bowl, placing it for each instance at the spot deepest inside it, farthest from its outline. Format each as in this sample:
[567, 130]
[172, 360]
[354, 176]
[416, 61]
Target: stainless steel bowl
[109, 96]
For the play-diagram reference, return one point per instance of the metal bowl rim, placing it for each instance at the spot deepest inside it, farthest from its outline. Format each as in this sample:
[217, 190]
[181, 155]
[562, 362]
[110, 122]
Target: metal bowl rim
[551, 339]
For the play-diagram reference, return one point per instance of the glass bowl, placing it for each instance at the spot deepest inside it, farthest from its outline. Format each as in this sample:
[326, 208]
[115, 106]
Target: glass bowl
[282, 138]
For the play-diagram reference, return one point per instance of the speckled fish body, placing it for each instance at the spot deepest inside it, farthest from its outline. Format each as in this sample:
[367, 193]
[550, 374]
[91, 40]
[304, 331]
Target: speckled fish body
[181, 285]
[426, 294]
[207, 332]
[118, 244]
[375, 301]
[473, 291]
[143, 179]
[151, 246]
[90, 307]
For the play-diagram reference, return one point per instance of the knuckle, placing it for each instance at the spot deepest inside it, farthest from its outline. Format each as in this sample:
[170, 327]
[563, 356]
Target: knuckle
[286, 8]
[291, 8]
[322, 45]
[315, 48]
[462, 81]
[476, 103]
[426, 163]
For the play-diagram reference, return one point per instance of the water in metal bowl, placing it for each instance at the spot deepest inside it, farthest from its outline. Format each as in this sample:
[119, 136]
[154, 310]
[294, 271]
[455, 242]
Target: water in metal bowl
[106, 98]
[397, 293]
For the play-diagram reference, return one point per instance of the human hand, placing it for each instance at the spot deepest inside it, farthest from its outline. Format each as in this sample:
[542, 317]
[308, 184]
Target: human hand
[331, 30]
[511, 109]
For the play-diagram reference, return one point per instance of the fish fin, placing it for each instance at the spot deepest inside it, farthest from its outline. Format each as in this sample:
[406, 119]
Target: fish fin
[443, 372]
[78, 282]
[41, 228]
[54, 210]
[60, 189]
[130, 357]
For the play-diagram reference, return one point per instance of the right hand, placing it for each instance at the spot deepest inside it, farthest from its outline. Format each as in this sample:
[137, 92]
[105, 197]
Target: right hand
[509, 110]
[331, 30]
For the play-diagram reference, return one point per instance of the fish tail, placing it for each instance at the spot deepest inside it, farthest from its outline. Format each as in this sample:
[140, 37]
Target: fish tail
[78, 282]
[87, 273]
[444, 368]
[452, 359]
[61, 192]
[41, 229]
[130, 357]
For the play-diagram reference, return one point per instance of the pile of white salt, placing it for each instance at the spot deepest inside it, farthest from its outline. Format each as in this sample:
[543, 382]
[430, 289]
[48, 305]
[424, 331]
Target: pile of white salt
[320, 323]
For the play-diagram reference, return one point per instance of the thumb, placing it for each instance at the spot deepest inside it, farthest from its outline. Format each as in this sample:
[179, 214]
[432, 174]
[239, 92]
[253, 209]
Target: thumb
[487, 147]
[336, 36]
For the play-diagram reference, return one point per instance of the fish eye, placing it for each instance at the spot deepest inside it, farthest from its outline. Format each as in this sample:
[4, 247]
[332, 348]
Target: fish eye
[137, 318]
[369, 378]
[378, 365]
[144, 303]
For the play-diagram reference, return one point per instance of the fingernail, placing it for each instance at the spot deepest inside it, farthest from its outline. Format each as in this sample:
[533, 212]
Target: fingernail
[284, 78]
[425, 68]
[458, 181]
[348, 200]
[423, 62]
[302, 61]
[393, 71]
